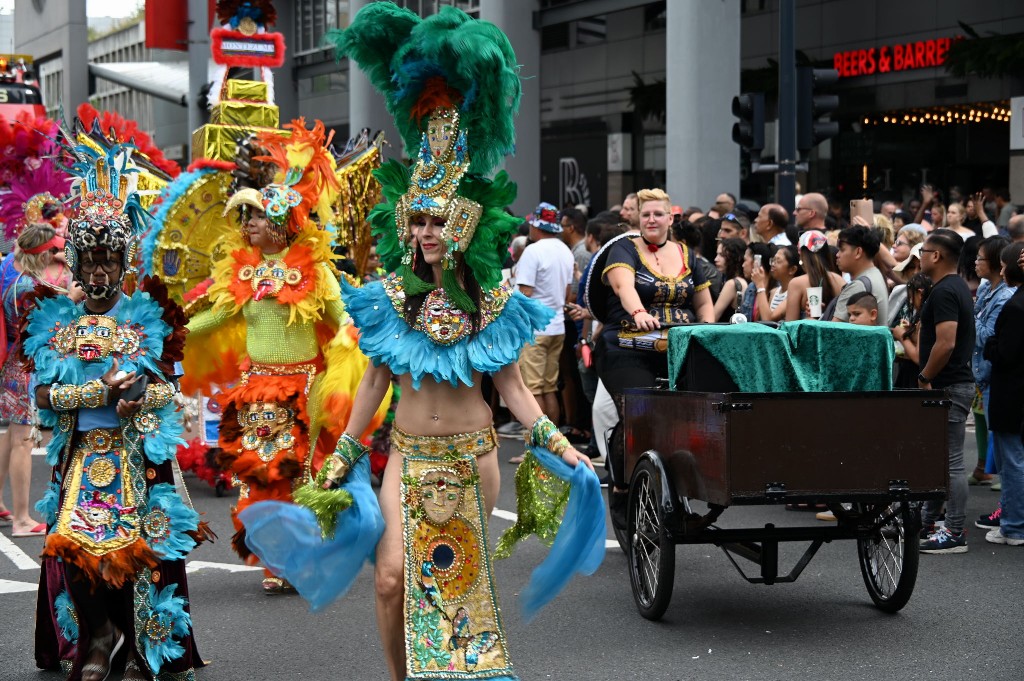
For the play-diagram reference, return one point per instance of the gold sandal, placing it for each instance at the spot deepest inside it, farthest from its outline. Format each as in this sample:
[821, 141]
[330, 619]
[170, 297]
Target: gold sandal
[273, 586]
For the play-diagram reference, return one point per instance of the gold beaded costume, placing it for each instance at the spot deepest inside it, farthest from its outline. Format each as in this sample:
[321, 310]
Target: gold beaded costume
[119, 528]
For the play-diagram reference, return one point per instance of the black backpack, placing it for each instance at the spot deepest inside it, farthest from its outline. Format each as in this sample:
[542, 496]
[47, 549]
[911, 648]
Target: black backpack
[830, 309]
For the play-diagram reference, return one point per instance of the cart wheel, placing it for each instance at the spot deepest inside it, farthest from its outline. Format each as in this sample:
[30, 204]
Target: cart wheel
[652, 555]
[889, 556]
[621, 534]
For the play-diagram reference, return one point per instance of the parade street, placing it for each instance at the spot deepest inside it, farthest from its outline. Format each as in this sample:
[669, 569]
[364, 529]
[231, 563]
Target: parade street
[718, 627]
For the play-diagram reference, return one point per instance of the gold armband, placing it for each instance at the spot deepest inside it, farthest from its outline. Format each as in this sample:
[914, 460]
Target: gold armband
[68, 397]
[65, 397]
[159, 395]
[94, 394]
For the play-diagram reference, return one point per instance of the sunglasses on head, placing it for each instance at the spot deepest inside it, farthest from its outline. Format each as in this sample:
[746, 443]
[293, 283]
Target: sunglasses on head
[730, 217]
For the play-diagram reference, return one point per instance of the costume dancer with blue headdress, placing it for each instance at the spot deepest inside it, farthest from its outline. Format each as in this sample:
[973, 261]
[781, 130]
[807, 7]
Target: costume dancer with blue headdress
[439, 322]
[113, 574]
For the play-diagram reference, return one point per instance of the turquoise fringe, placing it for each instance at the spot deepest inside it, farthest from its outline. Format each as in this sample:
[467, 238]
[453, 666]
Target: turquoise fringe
[386, 338]
[579, 544]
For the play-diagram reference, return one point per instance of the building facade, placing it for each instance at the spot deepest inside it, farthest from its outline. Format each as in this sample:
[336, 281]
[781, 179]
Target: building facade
[621, 94]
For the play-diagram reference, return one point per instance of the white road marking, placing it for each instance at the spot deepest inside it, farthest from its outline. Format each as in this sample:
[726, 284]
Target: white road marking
[509, 515]
[21, 559]
[506, 515]
[39, 451]
[194, 565]
[9, 586]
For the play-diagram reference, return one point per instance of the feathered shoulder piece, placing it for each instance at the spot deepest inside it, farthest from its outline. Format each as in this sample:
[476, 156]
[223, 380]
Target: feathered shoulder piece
[441, 343]
[448, 59]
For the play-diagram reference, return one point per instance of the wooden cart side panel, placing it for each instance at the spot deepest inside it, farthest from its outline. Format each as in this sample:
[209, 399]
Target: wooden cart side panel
[829, 445]
[688, 433]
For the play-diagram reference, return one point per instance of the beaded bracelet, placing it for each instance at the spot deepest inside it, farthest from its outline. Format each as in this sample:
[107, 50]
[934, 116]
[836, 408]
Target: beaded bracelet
[636, 312]
[348, 451]
[94, 394]
[159, 395]
[544, 433]
[65, 397]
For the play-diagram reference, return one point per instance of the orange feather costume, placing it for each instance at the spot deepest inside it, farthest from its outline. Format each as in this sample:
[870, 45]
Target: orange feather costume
[301, 365]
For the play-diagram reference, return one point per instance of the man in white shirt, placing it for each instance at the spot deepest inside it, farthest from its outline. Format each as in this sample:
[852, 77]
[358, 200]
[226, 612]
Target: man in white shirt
[544, 273]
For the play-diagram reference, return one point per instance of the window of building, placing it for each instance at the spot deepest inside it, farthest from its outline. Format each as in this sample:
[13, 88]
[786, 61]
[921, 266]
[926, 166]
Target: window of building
[655, 16]
[579, 33]
[425, 8]
[313, 18]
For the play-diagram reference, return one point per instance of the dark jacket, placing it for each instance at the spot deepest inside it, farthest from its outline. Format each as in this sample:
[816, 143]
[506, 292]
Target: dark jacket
[1006, 352]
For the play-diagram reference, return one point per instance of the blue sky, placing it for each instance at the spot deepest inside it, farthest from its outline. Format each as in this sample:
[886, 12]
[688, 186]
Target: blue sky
[95, 8]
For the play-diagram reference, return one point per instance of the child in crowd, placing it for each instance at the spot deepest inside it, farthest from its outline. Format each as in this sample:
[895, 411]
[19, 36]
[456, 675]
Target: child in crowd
[863, 309]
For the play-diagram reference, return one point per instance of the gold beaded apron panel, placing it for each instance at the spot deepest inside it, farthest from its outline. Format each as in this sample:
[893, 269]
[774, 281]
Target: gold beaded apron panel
[99, 511]
[452, 621]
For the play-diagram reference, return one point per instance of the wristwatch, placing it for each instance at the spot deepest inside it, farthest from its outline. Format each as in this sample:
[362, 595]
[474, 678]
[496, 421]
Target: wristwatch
[921, 378]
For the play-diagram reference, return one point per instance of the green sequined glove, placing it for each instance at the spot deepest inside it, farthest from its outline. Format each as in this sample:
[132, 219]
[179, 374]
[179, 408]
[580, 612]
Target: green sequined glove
[326, 504]
[541, 498]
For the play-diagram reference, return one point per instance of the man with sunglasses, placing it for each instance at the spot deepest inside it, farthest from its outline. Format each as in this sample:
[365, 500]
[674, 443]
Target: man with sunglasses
[810, 212]
[734, 227]
[946, 345]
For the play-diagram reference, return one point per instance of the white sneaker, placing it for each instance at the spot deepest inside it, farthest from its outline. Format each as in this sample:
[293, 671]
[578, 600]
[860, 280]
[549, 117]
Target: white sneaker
[512, 429]
[996, 536]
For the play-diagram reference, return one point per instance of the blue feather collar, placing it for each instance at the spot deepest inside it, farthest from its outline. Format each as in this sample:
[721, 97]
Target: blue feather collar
[442, 344]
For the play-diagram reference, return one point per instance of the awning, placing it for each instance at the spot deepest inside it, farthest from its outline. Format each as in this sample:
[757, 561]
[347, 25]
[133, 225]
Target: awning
[164, 80]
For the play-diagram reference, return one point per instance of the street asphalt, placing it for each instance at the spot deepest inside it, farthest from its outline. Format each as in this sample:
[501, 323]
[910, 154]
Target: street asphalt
[963, 621]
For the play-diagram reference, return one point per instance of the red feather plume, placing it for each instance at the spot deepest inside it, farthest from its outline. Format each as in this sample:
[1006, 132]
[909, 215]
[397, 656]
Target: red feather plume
[116, 127]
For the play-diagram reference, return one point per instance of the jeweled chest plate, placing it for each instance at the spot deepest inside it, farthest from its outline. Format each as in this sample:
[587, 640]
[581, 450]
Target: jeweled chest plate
[442, 321]
[269, 277]
[93, 337]
[267, 429]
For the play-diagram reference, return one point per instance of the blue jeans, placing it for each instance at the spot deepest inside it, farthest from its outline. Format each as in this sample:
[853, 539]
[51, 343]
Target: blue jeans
[1009, 456]
[962, 396]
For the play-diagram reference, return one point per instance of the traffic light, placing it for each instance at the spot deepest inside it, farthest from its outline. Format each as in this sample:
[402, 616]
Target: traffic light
[812, 105]
[749, 131]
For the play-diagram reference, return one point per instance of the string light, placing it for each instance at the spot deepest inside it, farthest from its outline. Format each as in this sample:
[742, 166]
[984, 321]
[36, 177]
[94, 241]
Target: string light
[978, 112]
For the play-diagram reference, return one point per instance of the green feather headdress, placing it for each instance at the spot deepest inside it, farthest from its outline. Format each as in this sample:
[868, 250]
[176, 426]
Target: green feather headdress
[458, 76]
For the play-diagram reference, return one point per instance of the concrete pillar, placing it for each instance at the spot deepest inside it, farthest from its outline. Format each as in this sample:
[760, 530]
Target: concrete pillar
[286, 93]
[57, 29]
[198, 63]
[703, 75]
[366, 106]
[515, 18]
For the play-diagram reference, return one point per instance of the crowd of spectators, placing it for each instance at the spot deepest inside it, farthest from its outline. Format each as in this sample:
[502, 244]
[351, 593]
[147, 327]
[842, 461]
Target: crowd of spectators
[937, 274]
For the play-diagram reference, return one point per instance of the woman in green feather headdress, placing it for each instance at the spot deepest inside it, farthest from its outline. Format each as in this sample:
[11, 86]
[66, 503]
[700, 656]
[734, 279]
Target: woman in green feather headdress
[439, 321]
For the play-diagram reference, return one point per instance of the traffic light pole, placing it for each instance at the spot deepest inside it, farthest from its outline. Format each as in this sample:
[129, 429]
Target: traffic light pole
[785, 179]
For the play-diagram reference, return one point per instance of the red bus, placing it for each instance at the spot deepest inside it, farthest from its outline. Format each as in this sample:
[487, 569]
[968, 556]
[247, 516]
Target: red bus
[19, 89]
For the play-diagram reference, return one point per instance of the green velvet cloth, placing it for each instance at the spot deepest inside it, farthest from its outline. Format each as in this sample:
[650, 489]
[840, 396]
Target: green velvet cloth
[802, 356]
